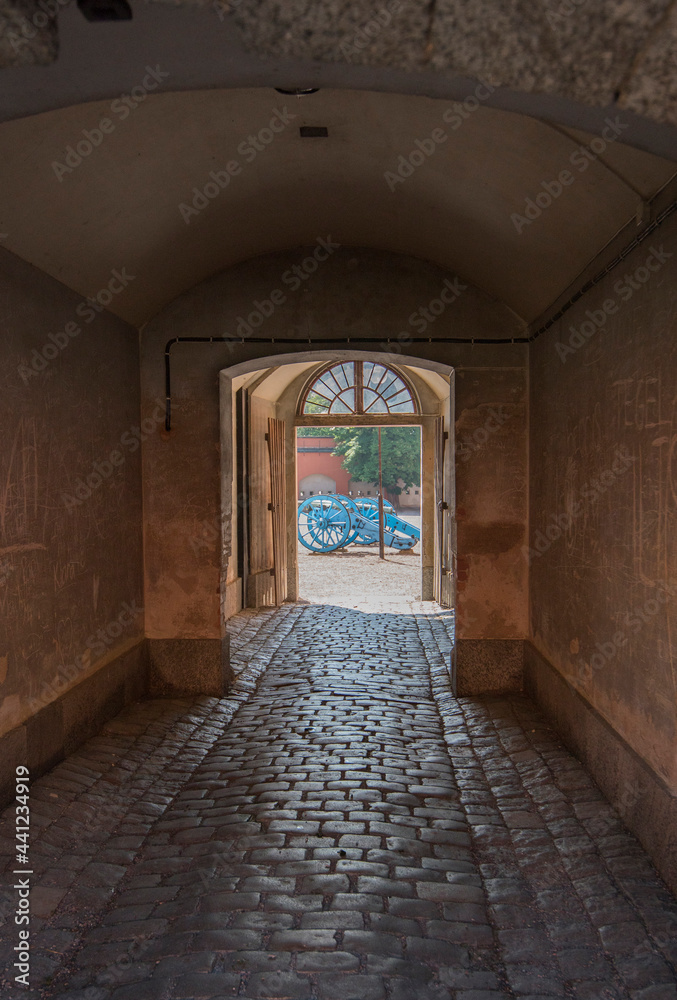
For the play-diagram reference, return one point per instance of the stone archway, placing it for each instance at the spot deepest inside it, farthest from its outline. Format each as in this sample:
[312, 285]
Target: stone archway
[275, 396]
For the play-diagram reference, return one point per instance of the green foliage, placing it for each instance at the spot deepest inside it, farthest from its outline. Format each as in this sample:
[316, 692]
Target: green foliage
[401, 454]
[315, 432]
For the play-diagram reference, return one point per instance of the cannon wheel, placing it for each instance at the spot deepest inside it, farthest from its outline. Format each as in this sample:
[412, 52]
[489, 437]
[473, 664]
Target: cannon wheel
[324, 523]
[368, 507]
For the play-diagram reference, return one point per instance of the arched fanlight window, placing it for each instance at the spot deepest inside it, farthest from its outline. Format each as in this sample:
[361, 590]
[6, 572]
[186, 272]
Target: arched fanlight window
[358, 387]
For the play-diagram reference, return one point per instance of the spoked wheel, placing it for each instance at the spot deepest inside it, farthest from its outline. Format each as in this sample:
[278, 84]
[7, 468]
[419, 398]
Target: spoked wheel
[324, 523]
[368, 507]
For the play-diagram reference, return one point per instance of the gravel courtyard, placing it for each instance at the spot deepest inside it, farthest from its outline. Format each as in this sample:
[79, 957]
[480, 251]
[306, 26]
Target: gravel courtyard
[354, 575]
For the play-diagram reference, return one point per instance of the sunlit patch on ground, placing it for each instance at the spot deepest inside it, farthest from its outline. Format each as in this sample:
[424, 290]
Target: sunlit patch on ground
[355, 576]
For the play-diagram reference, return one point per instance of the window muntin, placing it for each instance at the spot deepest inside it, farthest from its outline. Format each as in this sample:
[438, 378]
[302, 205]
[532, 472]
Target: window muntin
[364, 387]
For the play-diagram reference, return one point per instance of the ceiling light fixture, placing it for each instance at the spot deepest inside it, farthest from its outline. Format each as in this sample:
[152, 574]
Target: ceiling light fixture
[105, 10]
[297, 91]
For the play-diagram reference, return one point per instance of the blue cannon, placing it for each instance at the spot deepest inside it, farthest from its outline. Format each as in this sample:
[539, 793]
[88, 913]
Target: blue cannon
[329, 522]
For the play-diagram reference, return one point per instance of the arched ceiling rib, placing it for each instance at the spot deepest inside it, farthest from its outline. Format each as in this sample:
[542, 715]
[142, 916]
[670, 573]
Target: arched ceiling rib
[120, 208]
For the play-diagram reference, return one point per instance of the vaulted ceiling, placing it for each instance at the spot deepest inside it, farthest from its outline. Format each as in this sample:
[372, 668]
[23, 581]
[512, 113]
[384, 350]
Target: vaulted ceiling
[465, 204]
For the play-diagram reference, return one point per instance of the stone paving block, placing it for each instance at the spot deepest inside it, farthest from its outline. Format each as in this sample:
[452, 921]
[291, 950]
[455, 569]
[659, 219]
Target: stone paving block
[130, 930]
[534, 980]
[414, 908]
[154, 990]
[436, 952]
[596, 990]
[372, 943]
[254, 961]
[213, 984]
[584, 963]
[660, 991]
[621, 938]
[324, 884]
[506, 916]
[360, 901]
[404, 989]
[447, 892]
[294, 904]
[303, 940]
[383, 965]
[177, 965]
[376, 834]
[475, 935]
[278, 985]
[640, 972]
[391, 924]
[529, 944]
[335, 920]
[334, 961]
[384, 887]
[341, 987]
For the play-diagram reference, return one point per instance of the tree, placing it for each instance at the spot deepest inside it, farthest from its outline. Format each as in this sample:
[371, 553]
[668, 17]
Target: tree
[400, 449]
[315, 432]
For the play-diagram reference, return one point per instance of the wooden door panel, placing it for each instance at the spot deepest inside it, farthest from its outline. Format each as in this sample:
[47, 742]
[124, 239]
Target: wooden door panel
[278, 506]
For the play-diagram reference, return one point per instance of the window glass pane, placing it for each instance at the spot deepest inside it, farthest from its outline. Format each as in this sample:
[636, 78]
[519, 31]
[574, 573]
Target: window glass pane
[383, 390]
[345, 403]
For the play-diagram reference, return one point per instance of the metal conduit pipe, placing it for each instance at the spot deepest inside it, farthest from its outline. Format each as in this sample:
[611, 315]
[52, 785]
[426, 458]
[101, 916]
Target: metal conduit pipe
[651, 228]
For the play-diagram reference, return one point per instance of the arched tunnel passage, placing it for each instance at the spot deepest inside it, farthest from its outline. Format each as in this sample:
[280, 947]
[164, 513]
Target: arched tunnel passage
[321, 805]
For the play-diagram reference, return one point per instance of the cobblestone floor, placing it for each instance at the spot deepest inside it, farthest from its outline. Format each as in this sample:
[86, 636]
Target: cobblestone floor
[340, 828]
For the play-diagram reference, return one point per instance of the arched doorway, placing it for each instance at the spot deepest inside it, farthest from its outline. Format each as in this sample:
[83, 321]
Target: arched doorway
[277, 388]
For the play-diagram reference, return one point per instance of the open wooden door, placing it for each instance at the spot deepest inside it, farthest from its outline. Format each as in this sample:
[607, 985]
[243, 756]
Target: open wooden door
[278, 506]
[241, 511]
[444, 575]
[445, 526]
[445, 518]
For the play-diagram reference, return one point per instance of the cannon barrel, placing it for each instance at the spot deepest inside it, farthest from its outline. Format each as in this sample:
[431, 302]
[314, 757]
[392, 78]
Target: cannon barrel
[327, 522]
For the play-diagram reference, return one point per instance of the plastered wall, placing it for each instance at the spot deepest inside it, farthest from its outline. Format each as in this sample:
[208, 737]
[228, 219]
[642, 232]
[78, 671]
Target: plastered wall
[491, 497]
[603, 471]
[71, 598]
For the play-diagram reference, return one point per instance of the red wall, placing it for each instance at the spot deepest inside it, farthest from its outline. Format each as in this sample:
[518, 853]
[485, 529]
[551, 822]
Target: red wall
[330, 465]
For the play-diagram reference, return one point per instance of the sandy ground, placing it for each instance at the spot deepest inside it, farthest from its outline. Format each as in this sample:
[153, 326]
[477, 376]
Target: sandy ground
[352, 576]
